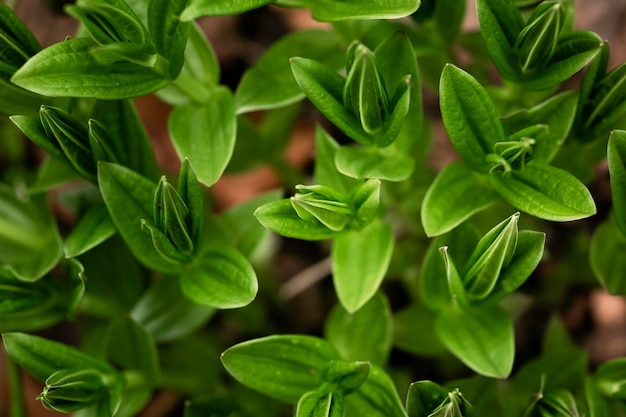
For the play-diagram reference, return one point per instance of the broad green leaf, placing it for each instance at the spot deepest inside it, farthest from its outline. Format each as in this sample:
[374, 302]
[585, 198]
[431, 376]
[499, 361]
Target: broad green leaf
[611, 378]
[129, 198]
[280, 217]
[166, 314]
[30, 245]
[500, 25]
[557, 113]
[449, 16]
[545, 192]
[616, 154]
[168, 32]
[199, 8]
[130, 140]
[326, 172]
[608, 246]
[377, 397]
[414, 331]
[270, 83]
[17, 42]
[41, 357]
[284, 367]
[92, 229]
[470, 117]
[332, 11]
[365, 335]
[206, 134]
[320, 404]
[16, 100]
[599, 405]
[131, 347]
[482, 338]
[454, 196]
[68, 69]
[52, 173]
[574, 51]
[424, 397]
[360, 260]
[371, 162]
[221, 278]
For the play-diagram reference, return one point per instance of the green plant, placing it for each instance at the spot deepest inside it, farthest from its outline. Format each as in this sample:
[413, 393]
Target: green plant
[157, 283]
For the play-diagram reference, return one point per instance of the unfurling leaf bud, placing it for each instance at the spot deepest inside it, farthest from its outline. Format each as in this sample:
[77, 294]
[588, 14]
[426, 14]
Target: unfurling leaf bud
[322, 203]
[454, 406]
[69, 390]
[100, 143]
[538, 40]
[108, 24]
[17, 43]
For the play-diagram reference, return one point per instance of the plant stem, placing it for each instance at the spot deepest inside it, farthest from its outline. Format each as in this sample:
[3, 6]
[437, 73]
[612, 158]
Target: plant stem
[16, 401]
[195, 91]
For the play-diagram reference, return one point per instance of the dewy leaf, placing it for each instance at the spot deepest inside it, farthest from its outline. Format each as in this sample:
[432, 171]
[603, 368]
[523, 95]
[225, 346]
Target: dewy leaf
[284, 367]
[371, 326]
[92, 229]
[221, 278]
[605, 255]
[206, 134]
[616, 154]
[168, 32]
[270, 83]
[332, 11]
[200, 8]
[453, 197]
[482, 338]
[41, 357]
[470, 117]
[280, 217]
[372, 162]
[30, 245]
[129, 198]
[68, 69]
[377, 397]
[360, 260]
[545, 192]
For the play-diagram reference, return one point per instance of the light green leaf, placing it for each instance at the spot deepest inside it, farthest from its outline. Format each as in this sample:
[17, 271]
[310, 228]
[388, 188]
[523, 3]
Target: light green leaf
[377, 397]
[616, 154]
[332, 11]
[326, 172]
[68, 69]
[206, 134]
[545, 192]
[129, 198]
[482, 338]
[455, 195]
[360, 260]
[221, 278]
[610, 378]
[606, 255]
[93, 228]
[270, 83]
[365, 335]
[30, 245]
[199, 8]
[284, 367]
[371, 162]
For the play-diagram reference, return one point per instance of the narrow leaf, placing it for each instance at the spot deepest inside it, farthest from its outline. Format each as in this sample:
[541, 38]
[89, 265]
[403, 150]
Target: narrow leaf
[93, 228]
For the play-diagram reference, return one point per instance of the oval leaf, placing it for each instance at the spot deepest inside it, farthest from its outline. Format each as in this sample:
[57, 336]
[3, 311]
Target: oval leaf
[606, 256]
[332, 11]
[616, 154]
[370, 162]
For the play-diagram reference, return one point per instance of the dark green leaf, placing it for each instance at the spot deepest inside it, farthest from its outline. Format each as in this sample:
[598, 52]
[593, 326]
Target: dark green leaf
[222, 278]
[424, 397]
[168, 32]
[93, 228]
[414, 331]
[482, 338]
[360, 261]
[545, 192]
[616, 154]
[284, 367]
[453, 197]
[17, 43]
[605, 255]
[363, 335]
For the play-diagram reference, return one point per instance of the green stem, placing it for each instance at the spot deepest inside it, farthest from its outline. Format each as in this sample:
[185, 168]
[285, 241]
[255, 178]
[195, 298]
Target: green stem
[16, 399]
[190, 87]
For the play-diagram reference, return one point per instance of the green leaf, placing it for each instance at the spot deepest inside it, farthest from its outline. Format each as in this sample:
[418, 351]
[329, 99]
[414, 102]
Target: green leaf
[470, 117]
[557, 113]
[537, 42]
[129, 198]
[166, 314]
[326, 173]
[199, 8]
[345, 377]
[52, 173]
[598, 404]
[371, 162]
[280, 217]
[284, 367]
[414, 331]
[17, 42]
[377, 397]
[360, 260]
[424, 397]
[320, 404]
[616, 154]
[41, 357]
[168, 32]
[131, 347]
[608, 245]
[454, 196]
[93, 228]
[213, 126]
[482, 338]
[68, 69]
[545, 192]
[30, 245]
[363, 335]
[332, 11]
[222, 278]
[610, 377]
[500, 25]
[270, 83]
[603, 105]
[456, 287]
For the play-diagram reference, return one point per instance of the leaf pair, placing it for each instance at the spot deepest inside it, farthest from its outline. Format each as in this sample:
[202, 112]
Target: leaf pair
[537, 53]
